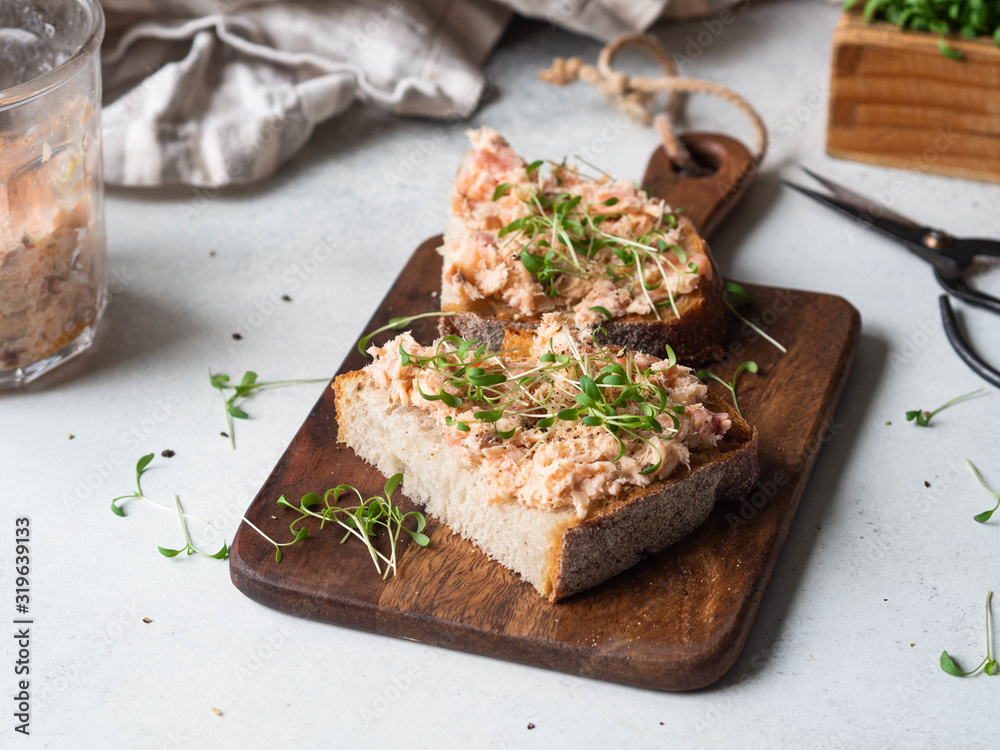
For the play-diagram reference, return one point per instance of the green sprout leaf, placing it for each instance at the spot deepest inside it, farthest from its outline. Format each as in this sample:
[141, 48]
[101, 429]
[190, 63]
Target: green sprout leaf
[392, 484]
[422, 539]
[923, 418]
[247, 387]
[988, 665]
[986, 515]
[308, 500]
[237, 412]
[950, 52]
[748, 366]
[142, 463]
[671, 356]
[737, 294]
[189, 547]
[949, 666]
[140, 468]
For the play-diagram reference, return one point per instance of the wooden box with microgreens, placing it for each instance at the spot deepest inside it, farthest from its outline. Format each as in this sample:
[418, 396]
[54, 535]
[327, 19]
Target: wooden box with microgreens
[916, 85]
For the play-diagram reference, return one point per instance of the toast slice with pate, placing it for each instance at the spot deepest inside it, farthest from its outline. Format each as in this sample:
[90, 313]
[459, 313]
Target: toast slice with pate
[564, 461]
[524, 240]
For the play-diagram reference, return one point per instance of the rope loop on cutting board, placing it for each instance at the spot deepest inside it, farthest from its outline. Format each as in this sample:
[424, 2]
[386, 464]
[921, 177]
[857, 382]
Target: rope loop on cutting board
[634, 95]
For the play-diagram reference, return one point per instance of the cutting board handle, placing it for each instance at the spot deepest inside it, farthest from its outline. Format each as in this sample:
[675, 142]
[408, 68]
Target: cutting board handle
[706, 198]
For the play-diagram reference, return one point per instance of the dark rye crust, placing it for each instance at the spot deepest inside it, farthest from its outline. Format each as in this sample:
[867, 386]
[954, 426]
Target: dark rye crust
[647, 520]
[697, 336]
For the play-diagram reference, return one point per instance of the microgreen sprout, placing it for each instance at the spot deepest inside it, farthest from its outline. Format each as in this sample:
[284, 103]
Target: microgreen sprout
[733, 296]
[140, 469]
[565, 237]
[189, 547]
[503, 394]
[247, 387]
[923, 418]
[301, 534]
[361, 521]
[988, 665]
[748, 366]
[398, 324]
[593, 166]
[986, 515]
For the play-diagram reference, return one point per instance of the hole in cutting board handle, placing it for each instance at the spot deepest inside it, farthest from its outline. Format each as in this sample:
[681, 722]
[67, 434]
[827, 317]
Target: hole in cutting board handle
[707, 156]
[705, 198]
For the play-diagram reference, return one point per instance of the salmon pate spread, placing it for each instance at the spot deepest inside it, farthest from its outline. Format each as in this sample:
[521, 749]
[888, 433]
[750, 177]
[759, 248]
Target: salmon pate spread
[553, 422]
[589, 248]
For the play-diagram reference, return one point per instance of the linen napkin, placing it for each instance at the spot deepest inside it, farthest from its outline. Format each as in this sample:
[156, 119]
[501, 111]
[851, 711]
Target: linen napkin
[216, 92]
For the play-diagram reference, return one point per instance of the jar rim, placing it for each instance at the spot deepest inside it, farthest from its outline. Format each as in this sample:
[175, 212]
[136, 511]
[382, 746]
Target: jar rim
[51, 79]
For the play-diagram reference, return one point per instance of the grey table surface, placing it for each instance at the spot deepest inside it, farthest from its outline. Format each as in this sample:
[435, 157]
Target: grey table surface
[880, 572]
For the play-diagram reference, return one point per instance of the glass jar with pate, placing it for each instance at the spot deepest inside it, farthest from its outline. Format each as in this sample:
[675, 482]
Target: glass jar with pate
[52, 256]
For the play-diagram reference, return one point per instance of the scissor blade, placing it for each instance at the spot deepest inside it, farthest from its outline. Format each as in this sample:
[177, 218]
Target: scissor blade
[906, 232]
[848, 195]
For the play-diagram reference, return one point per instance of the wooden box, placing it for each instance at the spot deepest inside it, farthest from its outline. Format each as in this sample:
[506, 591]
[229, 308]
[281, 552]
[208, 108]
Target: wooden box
[896, 101]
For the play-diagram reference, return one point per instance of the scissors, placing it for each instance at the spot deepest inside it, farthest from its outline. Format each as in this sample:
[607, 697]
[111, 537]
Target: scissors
[951, 257]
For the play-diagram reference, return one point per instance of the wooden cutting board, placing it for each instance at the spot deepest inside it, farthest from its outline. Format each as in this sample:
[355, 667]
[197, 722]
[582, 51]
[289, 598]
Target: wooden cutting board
[677, 621]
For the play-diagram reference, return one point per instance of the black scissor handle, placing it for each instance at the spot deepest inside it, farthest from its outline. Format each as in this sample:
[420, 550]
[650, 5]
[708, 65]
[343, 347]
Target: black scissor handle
[961, 346]
[955, 283]
[981, 247]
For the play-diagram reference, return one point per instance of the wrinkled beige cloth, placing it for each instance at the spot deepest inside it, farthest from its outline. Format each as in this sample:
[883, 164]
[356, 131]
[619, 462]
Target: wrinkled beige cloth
[215, 92]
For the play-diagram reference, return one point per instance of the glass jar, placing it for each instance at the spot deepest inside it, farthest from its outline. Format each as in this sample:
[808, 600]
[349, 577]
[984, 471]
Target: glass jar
[52, 258]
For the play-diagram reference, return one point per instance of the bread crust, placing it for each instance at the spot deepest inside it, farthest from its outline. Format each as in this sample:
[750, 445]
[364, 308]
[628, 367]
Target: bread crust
[649, 519]
[696, 337]
[581, 553]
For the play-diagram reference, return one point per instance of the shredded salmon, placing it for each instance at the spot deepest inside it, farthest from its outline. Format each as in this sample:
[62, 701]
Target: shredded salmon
[569, 463]
[480, 264]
